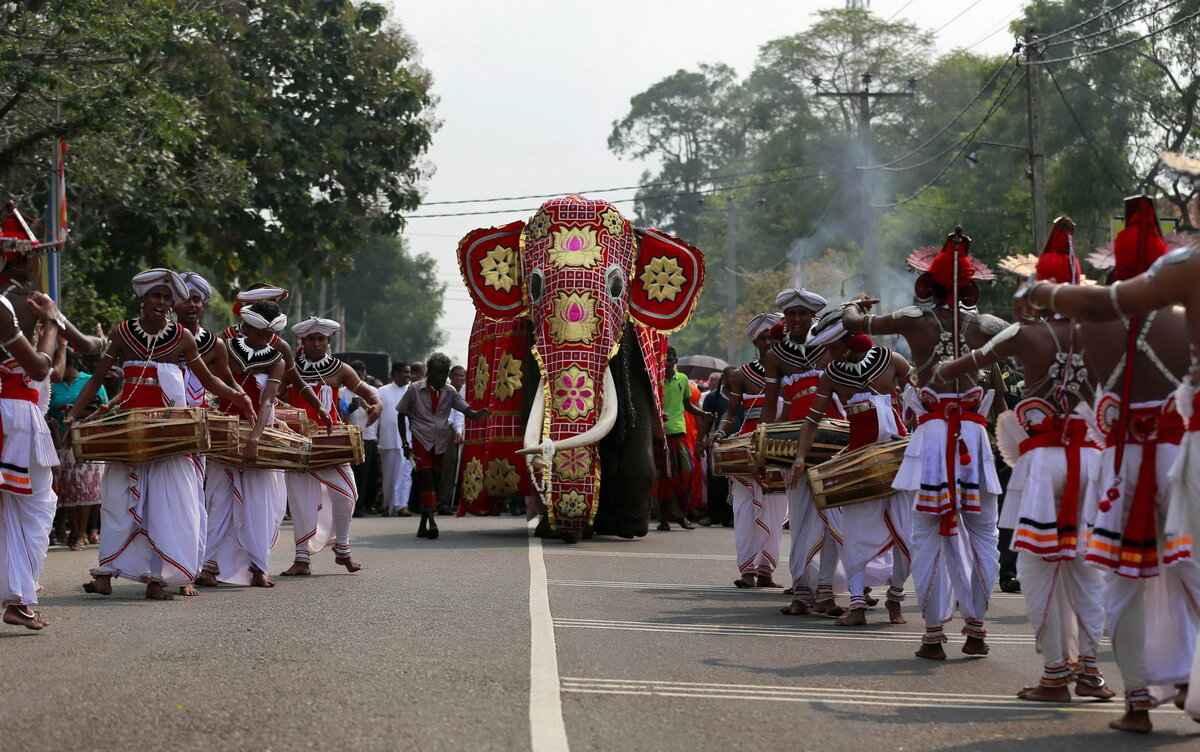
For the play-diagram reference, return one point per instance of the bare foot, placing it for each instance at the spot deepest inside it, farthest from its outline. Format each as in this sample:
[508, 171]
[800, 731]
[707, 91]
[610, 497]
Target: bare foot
[1181, 691]
[1038, 693]
[764, 580]
[855, 617]
[797, 608]
[894, 614]
[156, 592]
[22, 616]
[871, 602]
[975, 646]
[931, 651]
[260, 579]
[206, 579]
[350, 564]
[1134, 721]
[1099, 692]
[297, 569]
[188, 590]
[746, 580]
[829, 608]
[100, 585]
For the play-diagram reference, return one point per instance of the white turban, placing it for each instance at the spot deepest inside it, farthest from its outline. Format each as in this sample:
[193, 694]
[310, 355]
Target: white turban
[145, 281]
[259, 294]
[258, 322]
[761, 323]
[797, 298]
[196, 283]
[829, 329]
[328, 327]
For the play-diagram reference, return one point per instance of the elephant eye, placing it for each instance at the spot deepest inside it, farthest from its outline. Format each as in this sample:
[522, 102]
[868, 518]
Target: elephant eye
[615, 282]
[536, 284]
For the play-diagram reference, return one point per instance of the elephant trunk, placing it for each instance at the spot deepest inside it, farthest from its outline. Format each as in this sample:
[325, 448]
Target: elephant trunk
[608, 419]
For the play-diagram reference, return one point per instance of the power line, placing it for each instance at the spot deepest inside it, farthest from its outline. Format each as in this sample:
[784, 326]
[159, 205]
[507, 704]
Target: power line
[961, 13]
[1126, 43]
[1083, 131]
[1087, 21]
[1115, 27]
[1002, 26]
[902, 7]
[1071, 74]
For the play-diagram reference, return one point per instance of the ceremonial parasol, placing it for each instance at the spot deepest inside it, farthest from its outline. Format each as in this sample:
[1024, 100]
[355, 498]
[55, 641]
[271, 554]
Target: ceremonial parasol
[699, 366]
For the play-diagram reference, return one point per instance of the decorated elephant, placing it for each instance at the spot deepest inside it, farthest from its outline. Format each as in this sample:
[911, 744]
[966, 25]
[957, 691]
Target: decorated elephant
[573, 308]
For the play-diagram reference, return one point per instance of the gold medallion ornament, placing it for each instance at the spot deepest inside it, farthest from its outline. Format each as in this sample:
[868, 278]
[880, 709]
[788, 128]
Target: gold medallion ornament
[499, 268]
[572, 504]
[575, 246]
[573, 464]
[574, 318]
[539, 225]
[501, 478]
[481, 378]
[613, 222]
[473, 479]
[508, 376]
[574, 393]
[663, 278]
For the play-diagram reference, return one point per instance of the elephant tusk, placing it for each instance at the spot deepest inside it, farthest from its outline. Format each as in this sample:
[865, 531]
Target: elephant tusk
[533, 428]
[608, 419]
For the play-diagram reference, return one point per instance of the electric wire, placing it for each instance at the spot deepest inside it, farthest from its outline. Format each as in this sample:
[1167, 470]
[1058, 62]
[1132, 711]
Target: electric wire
[961, 13]
[1083, 132]
[1126, 43]
[1115, 27]
[898, 12]
[1085, 22]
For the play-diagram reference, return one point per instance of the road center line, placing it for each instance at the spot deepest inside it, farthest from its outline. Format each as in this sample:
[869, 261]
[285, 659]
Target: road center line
[547, 731]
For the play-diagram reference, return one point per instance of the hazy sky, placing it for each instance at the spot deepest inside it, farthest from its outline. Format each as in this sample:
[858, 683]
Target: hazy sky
[529, 89]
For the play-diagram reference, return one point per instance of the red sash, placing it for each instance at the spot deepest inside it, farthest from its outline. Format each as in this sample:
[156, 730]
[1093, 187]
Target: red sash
[249, 385]
[15, 386]
[295, 398]
[1070, 433]
[953, 410]
[1194, 421]
[864, 424]
[141, 388]
[749, 402]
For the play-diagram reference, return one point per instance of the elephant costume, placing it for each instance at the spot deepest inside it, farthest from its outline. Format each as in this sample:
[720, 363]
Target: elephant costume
[573, 309]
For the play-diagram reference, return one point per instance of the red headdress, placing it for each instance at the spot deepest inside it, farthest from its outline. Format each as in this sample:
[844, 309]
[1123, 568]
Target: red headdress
[938, 265]
[17, 237]
[1058, 262]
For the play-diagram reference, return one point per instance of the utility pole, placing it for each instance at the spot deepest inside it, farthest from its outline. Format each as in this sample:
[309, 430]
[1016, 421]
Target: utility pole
[866, 145]
[1037, 155]
[730, 279]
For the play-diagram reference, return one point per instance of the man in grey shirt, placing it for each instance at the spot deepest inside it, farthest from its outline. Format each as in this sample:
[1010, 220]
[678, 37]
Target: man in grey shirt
[427, 405]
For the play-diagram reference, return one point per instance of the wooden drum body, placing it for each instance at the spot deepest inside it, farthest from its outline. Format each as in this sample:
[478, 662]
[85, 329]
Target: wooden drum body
[296, 420]
[341, 447]
[775, 444]
[865, 474]
[278, 449]
[141, 435]
[733, 456]
[223, 434]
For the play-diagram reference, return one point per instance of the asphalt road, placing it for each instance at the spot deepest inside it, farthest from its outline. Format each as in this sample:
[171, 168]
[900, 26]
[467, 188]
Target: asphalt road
[428, 648]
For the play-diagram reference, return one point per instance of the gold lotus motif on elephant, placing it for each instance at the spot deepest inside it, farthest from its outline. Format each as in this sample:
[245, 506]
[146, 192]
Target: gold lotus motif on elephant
[574, 318]
[481, 378]
[573, 464]
[499, 268]
[575, 246]
[663, 278]
[508, 376]
[539, 225]
[473, 479]
[613, 222]
[574, 393]
[501, 478]
[572, 504]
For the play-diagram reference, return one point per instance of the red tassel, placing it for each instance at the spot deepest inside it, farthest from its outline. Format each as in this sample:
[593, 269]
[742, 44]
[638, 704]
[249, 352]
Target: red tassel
[964, 454]
[1107, 502]
[776, 332]
[860, 343]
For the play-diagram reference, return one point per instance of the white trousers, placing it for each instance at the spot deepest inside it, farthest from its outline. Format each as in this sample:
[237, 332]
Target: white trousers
[25, 523]
[811, 537]
[957, 570]
[322, 503]
[245, 508]
[757, 526]
[397, 478]
[870, 529]
[151, 521]
[1062, 599]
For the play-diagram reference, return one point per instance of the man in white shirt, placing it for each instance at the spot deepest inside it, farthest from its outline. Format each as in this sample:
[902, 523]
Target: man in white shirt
[397, 469]
[366, 472]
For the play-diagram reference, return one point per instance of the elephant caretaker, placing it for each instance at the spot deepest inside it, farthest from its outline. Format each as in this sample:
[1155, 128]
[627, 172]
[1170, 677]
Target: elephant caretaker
[427, 405]
[955, 558]
[672, 457]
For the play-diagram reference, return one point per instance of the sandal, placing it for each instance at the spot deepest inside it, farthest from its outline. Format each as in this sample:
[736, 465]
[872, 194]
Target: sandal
[93, 537]
[76, 545]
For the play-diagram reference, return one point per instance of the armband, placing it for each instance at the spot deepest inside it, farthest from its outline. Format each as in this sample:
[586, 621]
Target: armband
[13, 338]
[61, 320]
[1112, 297]
[275, 380]
[867, 321]
[771, 381]
[193, 360]
[810, 419]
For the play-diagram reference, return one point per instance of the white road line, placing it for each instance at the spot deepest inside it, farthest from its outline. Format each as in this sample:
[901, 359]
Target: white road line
[826, 695]
[721, 589]
[642, 555]
[547, 731]
[732, 630]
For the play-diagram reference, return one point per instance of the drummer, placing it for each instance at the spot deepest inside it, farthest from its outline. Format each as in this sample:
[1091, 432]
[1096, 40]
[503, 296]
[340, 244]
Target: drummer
[757, 516]
[148, 510]
[322, 501]
[246, 504]
[864, 376]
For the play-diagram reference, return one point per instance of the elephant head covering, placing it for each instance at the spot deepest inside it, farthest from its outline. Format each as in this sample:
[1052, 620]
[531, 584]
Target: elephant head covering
[145, 281]
[197, 284]
[799, 298]
[312, 324]
[762, 323]
[256, 320]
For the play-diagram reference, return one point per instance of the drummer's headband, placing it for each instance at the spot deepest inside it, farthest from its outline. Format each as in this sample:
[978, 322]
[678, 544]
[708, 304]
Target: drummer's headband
[259, 322]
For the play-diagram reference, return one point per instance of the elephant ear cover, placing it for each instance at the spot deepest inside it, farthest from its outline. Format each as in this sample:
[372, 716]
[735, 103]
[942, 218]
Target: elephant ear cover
[666, 281]
[491, 268]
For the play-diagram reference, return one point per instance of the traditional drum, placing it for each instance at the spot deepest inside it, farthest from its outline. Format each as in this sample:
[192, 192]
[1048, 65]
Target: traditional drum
[343, 445]
[732, 456]
[278, 449]
[775, 444]
[141, 435]
[223, 434]
[853, 477]
[296, 420]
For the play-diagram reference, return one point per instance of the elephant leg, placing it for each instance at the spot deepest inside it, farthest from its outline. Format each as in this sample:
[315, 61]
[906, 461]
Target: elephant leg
[627, 457]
